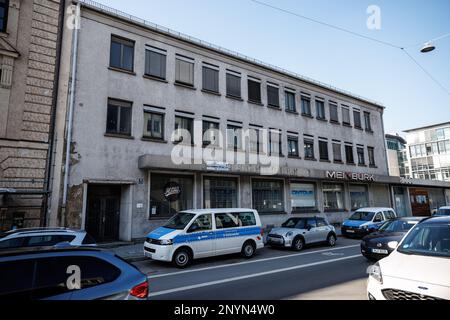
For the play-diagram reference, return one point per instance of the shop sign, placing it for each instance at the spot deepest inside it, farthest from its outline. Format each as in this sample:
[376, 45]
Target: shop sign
[172, 191]
[217, 166]
[341, 175]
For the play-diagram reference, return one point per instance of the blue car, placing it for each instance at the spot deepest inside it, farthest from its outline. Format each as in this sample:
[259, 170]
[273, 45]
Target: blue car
[366, 220]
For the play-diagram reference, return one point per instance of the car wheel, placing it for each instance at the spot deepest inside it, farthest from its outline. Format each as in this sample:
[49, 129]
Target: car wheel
[248, 250]
[331, 240]
[182, 258]
[298, 244]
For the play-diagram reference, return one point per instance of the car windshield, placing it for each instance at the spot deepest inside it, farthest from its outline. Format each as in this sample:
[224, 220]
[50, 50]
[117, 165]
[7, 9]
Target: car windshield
[428, 240]
[290, 223]
[397, 226]
[443, 212]
[362, 216]
[179, 221]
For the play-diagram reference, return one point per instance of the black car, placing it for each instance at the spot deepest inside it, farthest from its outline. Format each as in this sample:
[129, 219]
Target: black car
[69, 273]
[375, 246]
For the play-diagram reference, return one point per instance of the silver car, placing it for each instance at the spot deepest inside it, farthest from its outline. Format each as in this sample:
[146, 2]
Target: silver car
[295, 233]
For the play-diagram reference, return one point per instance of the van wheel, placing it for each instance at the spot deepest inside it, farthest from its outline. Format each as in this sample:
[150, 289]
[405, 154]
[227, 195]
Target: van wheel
[298, 244]
[331, 240]
[248, 249]
[182, 258]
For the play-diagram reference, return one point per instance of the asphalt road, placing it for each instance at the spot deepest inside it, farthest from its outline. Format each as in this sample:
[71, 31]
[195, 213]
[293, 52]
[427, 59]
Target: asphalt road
[318, 272]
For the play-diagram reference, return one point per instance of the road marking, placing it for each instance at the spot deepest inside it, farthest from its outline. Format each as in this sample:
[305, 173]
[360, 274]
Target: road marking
[212, 283]
[248, 262]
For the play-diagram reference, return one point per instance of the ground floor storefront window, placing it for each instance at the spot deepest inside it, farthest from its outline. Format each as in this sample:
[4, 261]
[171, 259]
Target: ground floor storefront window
[170, 194]
[359, 197]
[267, 195]
[220, 192]
[333, 196]
[303, 197]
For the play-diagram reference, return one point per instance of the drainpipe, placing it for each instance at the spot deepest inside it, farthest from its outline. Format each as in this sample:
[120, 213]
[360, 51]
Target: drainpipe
[71, 107]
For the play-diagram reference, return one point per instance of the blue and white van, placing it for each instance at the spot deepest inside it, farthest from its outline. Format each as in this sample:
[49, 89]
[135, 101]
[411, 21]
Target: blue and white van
[203, 233]
[366, 220]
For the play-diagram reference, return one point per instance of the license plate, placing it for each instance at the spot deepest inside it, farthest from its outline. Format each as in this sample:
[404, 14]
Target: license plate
[350, 231]
[380, 251]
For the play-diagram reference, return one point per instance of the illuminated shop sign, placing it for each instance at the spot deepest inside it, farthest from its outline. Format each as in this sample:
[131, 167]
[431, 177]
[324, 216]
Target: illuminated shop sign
[353, 176]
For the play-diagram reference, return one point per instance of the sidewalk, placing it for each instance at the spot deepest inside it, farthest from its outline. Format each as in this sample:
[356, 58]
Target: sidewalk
[133, 251]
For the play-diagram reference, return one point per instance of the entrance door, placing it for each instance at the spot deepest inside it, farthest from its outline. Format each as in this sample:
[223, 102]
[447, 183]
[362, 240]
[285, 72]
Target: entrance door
[420, 203]
[103, 214]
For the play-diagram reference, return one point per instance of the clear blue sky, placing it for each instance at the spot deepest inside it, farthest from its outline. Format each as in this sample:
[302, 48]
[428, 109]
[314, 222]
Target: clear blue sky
[363, 67]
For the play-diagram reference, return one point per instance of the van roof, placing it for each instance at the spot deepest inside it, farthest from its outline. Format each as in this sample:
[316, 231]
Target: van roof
[375, 209]
[223, 210]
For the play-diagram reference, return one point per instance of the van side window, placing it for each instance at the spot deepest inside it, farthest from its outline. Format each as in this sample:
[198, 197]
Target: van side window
[202, 223]
[227, 220]
[247, 218]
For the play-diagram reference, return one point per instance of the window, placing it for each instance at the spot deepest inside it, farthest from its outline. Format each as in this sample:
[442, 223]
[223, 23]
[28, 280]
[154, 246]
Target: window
[293, 147]
[357, 118]
[155, 63]
[118, 118]
[267, 195]
[303, 197]
[273, 96]
[233, 220]
[275, 143]
[210, 79]
[122, 53]
[360, 152]
[153, 125]
[320, 109]
[42, 241]
[210, 133]
[349, 154]
[311, 223]
[358, 196]
[234, 137]
[184, 71]
[346, 116]
[17, 279]
[333, 196]
[184, 130]
[4, 5]
[367, 123]
[371, 152]
[323, 150]
[13, 243]
[233, 85]
[337, 155]
[255, 140]
[254, 91]
[220, 192]
[290, 101]
[306, 105]
[309, 149]
[202, 223]
[334, 117]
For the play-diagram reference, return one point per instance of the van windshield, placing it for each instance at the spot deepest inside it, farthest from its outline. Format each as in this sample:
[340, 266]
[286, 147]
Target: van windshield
[362, 216]
[179, 221]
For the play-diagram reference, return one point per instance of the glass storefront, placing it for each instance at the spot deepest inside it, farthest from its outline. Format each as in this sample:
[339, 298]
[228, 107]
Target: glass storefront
[359, 197]
[267, 195]
[333, 196]
[170, 194]
[400, 200]
[220, 192]
[303, 196]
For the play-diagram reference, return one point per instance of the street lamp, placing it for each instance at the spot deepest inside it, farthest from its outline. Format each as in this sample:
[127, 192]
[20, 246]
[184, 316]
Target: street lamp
[429, 46]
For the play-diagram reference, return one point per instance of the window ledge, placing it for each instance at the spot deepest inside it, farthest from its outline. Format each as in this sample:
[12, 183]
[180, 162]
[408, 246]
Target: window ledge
[348, 125]
[234, 98]
[214, 93]
[153, 140]
[118, 135]
[271, 212]
[321, 119]
[146, 76]
[183, 144]
[291, 112]
[338, 162]
[350, 164]
[277, 108]
[311, 159]
[369, 131]
[294, 157]
[359, 128]
[122, 70]
[182, 85]
[307, 115]
[335, 122]
[373, 166]
[255, 103]
[324, 160]
[305, 211]
[362, 165]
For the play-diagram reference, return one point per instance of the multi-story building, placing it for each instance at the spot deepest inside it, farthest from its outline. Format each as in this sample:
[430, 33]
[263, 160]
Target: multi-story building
[143, 102]
[29, 51]
[397, 156]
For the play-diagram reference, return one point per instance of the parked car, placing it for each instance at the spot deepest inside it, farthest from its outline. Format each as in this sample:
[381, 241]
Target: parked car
[418, 269]
[381, 243]
[295, 233]
[39, 237]
[203, 233]
[366, 220]
[443, 211]
[49, 273]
